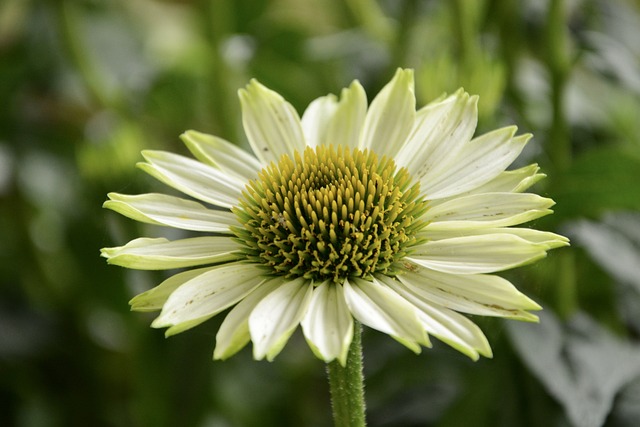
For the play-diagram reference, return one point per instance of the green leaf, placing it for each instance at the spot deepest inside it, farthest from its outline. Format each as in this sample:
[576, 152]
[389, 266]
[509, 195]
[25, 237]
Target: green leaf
[582, 366]
[614, 244]
[601, 179]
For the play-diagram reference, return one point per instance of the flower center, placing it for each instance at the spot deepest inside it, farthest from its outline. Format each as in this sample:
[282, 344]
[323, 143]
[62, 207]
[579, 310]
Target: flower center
[330, 214]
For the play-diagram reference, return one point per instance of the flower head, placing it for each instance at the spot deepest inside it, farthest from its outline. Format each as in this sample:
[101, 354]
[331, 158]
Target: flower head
[386, 215]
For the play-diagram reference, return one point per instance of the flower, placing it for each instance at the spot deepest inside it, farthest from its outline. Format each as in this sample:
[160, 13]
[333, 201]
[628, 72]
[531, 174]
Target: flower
[387, 215]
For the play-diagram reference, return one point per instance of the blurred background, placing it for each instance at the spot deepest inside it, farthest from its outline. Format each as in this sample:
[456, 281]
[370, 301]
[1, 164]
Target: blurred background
[86, 84]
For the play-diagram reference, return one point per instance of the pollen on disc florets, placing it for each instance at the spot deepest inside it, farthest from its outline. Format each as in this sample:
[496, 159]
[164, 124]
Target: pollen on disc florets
[329, 214]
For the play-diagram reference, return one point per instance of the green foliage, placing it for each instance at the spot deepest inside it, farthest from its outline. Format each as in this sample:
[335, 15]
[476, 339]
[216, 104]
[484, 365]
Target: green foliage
[85, 85]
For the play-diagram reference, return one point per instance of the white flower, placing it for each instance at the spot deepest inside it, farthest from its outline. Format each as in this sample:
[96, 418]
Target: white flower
[386, 215]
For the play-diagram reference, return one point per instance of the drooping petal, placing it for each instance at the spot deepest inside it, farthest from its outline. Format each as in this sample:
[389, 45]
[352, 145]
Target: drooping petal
[513, 181]
[477, 162]
[272, 124]
[439, 132]
[154, 298]
[544, 238]
[391, 115]
[162, 254]
[275, 318]
[161, 209]
[234, 334]
[476, 254]
[328, 325]
[448, 326]
[206, 295]
[485, 295]
[378, 307]
[222, 154]
[487, 210]
[194, 178]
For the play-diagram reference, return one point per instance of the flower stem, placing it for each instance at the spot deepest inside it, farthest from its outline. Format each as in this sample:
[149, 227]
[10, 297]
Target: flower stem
[347, 386]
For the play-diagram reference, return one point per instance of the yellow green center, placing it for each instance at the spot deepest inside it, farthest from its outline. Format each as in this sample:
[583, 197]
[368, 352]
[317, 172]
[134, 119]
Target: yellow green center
[329, 214]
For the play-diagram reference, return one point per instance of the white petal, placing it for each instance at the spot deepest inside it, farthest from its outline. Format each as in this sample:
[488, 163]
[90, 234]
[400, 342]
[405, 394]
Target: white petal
[328, 121]
[447, 325]
[154, 298]
[207, 295]
[316, 118]
[328, 325]
[439, 132]
[391, 115]
[478, 162]
[234, 334]
[161, 209]
[378, 307]
[194, 178]
[275, 318]
[222, 154]
[162, 254]
[487, 210]
[346, 126]
[476, 254]
[272, 125]
[514, 181]
[485, 295]
[544, 238]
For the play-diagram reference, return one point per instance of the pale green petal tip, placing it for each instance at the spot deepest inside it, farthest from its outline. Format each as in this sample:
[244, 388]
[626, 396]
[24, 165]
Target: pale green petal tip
[146, 167]
[256, 89]
[140, 303]
[149, 154]
[341, 358]
[327, 359]
[193, 135]
[113, 200]
[525, 316]
[224, 353]
[354, 89]
[481, 349]
[471, 353]
[404, 77]
[486, 352]
[558, 242]
[351, 98]
[159, 322]
[112, 254]
[416, 347]
[192, 139]
[521, 139]
[146, 301]
[465, 96]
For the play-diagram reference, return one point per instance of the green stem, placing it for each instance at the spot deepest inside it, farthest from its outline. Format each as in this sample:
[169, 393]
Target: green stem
[559, 65]
[464, 26]
[559, 139]
[69, 22]
[347, 386]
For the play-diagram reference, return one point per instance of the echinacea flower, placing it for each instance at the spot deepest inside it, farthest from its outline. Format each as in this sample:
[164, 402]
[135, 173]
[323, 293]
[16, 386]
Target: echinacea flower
[386, 215]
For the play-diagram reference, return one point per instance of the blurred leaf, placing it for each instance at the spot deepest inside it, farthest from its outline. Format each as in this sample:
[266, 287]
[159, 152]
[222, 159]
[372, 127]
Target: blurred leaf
[626, 412]
[613, 243]
[112, 147]
[482, 75]
[583, 366]
[601, 179]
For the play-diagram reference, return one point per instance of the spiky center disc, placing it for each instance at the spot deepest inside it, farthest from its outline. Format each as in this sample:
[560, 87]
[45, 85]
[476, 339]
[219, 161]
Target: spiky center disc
[330, 214]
